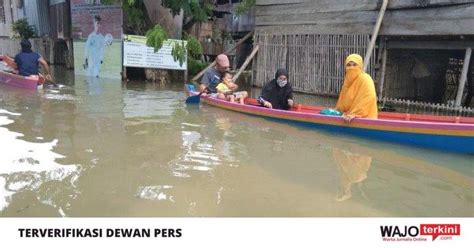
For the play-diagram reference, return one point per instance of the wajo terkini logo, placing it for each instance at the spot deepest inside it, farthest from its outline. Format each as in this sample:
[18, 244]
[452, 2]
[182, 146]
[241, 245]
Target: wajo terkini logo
[417, 233]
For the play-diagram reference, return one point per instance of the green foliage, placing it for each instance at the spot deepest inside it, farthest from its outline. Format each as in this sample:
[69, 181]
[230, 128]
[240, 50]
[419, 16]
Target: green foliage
[199, 10]
[136, 17]
[194, 47]
[23, 29]
[244, 7]
[175, 6]
[195, 66]
[179, 52]
[155, 37]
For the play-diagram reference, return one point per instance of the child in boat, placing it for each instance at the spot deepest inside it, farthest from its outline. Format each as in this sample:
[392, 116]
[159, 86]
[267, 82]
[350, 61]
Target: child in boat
[223, 88]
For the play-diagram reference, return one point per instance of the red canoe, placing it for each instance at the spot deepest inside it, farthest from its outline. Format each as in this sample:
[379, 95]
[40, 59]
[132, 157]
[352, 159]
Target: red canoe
[32, 82]
[448, 133]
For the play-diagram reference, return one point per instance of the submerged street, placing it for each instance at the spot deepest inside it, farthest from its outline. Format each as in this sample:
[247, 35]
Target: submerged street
[101, 147]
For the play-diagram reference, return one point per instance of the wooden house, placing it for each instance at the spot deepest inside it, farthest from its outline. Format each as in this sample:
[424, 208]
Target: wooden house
[419, 54]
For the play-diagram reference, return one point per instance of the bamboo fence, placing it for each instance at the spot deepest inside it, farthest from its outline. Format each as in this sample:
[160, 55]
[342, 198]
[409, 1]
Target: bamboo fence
[315, 62]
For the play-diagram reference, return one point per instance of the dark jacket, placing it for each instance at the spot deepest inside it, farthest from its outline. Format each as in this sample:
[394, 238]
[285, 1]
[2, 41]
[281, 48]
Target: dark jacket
[276, 95]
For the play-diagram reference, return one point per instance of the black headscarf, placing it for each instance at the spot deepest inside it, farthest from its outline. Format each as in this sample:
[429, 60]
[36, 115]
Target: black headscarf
[25, 46]
[281, 72]
[276, 95]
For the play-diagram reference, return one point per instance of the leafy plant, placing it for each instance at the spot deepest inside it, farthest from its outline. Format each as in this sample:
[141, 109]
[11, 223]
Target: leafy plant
[195, 66]
[244, 7]
[155, 37]
[179, 52]
[199, 10]
[136, 16]
[194, 47]
[191, 49]
[23, 29]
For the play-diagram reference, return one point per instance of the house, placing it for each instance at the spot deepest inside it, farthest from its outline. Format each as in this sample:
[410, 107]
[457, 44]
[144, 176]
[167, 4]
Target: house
[225, 27]
[51, 22]
[418, 57]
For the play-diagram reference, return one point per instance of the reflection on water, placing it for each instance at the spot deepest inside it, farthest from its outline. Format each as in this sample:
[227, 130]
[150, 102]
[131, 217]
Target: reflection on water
[97, 147]
[352, 169]
[30, 167]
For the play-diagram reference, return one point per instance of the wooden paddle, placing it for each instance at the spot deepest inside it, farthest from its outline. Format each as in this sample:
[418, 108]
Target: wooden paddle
[49, 80]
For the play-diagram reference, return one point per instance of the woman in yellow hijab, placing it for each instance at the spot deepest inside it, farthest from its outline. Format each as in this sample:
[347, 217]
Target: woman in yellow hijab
[357, 97]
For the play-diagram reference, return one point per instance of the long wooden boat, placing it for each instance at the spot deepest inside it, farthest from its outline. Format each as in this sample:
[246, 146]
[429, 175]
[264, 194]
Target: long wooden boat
[31, 82]
[447, 133]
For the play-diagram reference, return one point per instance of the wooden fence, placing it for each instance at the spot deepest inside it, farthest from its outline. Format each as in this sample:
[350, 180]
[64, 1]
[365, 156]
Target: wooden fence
[418, 107]
[315, 62]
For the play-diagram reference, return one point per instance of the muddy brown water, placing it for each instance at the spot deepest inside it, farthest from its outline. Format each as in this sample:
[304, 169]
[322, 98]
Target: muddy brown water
[99, 147]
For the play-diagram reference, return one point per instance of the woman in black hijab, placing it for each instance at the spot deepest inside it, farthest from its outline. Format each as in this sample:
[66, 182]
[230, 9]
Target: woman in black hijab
[278, 93]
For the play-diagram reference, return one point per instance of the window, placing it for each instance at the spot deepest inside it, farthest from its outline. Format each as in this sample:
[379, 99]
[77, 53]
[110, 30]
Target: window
[3, 20]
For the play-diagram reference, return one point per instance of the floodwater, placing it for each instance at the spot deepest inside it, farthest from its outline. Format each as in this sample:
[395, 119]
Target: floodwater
[105, 148]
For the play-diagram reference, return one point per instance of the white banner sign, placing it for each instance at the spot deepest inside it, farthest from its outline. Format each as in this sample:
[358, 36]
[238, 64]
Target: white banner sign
[138, 54]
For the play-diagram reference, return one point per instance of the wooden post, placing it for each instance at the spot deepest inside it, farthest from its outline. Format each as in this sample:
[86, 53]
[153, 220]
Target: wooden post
[462, 81]
[382, 71]
[52, 45]
[70, 54]
[124, 72]
[368, 54]
[246, 63]
[226, 52]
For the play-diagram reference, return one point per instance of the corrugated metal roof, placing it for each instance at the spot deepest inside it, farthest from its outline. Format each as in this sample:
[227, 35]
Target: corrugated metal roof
[36, 11]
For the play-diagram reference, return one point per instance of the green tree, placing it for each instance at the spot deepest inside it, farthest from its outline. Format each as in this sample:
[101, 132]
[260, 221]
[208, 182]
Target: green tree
[23, 29]
[244, 7]
[194, 11]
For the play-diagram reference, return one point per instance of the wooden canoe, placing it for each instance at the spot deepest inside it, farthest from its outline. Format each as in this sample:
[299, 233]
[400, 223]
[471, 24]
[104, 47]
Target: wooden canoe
[447, 133]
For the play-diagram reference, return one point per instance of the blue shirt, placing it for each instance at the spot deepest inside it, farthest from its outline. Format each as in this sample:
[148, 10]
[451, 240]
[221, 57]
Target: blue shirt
[27, 63]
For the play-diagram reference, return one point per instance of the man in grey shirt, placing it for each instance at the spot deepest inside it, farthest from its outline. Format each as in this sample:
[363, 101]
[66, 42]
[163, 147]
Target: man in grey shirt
[212, 77]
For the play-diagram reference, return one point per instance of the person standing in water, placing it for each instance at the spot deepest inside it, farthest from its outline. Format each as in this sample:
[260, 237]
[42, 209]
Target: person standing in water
[94, 49]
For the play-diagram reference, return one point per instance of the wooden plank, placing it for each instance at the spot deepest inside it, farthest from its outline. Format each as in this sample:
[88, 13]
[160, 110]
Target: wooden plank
[382, 77]
[437, 45]
[226, 52]
[273, 2]
[246, 63]
[338, 28]
[321, 6]
[462, 80]
[318, 18]
[373, 38]
[453, 20]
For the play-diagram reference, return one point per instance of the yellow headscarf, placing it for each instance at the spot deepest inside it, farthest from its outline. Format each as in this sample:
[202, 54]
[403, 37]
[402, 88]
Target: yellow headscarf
[357, 96]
